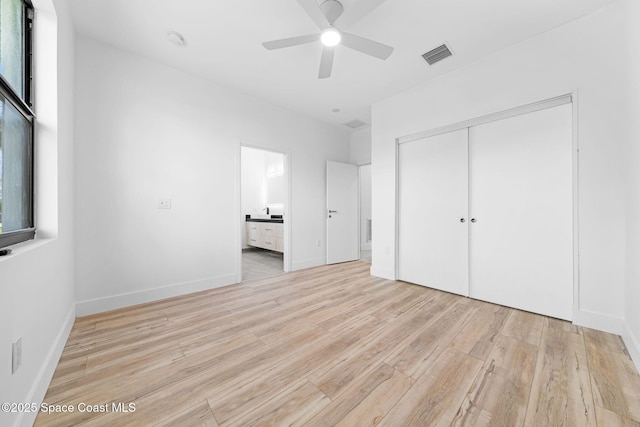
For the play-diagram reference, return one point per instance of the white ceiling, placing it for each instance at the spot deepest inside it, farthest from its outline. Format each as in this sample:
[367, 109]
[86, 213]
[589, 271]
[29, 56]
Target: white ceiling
[224, 43]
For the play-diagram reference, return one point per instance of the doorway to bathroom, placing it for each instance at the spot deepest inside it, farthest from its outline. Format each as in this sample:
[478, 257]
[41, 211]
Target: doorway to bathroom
[264, 198]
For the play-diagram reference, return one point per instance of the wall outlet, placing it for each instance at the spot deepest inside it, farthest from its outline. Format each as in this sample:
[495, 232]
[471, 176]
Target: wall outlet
[318, 243]
[16, 355]
[164, 203]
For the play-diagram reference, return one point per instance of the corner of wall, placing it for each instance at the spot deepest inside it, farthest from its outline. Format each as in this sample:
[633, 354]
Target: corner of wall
[381, 272]
[599, 321]
[633, 345]
[44, 376]
[308, 263]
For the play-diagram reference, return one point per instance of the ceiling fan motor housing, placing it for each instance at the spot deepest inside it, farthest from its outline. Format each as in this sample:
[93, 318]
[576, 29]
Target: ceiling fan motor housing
[332, 9]
[324, 15]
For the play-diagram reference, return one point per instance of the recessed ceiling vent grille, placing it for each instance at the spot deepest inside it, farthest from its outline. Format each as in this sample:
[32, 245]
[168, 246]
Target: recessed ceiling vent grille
[437, 54]
[354, 124]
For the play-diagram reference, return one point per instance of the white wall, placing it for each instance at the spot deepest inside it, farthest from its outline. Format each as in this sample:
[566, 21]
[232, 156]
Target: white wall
[36, 281]
[631, 333]
[146, 131]
[587, 55]
[360, 147]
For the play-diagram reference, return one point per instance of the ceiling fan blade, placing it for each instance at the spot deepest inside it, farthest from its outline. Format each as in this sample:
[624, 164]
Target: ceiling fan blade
[313, 10]
[357, 11]
[291, 41]
[366, 46]
[326, 62]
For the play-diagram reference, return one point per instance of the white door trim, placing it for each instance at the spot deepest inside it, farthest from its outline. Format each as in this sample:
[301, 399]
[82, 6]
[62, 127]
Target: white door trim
[499, 115]
[360, 209]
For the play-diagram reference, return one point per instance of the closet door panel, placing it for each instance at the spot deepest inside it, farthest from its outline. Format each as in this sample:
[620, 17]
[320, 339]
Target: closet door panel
[521, 243]
[433, 198]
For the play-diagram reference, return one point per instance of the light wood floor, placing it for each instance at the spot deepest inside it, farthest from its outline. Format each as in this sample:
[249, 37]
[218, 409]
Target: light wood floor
[333, 346]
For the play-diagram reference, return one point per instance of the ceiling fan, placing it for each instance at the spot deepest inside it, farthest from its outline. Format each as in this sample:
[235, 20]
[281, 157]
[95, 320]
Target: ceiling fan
[325, 15]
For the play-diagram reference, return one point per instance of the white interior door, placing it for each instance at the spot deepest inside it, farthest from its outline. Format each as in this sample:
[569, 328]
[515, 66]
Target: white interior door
[433, 207]
[342, 212]
[521, 241]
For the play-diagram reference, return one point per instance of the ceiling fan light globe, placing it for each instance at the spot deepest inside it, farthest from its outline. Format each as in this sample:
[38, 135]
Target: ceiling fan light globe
[331, 37]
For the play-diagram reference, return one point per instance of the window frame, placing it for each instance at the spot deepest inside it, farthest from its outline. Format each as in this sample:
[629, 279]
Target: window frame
[24, 107]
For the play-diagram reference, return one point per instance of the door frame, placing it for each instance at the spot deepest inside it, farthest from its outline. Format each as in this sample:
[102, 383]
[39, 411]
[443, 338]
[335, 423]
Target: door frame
[566, 98]
[360, 208]
[244, 142]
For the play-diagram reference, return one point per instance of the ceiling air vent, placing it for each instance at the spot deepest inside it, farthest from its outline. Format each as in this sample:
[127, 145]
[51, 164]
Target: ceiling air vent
[437, 54]
[355, 124]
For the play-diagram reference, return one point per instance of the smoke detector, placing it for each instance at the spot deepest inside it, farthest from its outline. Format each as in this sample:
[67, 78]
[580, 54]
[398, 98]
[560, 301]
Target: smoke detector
[176, 38]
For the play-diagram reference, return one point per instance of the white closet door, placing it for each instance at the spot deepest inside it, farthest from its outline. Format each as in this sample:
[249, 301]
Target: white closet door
[433, 206]
[521, 244]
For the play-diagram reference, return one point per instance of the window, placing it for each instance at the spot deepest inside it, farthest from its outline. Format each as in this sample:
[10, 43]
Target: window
[16, 123]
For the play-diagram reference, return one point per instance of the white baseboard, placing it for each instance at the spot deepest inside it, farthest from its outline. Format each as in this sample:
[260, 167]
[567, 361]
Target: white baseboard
[308, 263]
[114, 302]
[599, 321]
[43, 379]
[633, 345]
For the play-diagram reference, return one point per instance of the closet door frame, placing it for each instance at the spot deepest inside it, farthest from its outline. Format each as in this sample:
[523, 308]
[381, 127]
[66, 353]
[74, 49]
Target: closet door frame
[568, 98]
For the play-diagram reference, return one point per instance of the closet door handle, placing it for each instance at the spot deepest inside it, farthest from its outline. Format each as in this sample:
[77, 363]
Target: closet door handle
[473, 220]
[462, 220]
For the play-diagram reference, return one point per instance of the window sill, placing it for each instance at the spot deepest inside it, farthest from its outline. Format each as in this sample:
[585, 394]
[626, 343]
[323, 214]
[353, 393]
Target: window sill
[24, 247]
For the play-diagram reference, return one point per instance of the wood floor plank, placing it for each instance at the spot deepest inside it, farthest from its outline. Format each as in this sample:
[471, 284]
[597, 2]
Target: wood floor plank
[358, 362]
[500, 392]
[372, 409]
[340, 408]
[332, 345]
[407, 299]
[69, 369]
[416, 357]
[608, 418]
[409, 325]
[524, 326]
[240, 397]
[432, 400]
[98, 389]
[193, 385]
[616, 384]
[196, 415]
[561, 392]
[479, 333]
[294, 406]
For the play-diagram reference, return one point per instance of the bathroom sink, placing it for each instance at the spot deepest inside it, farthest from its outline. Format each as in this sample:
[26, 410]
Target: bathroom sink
[265, 218]
[261, 216]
